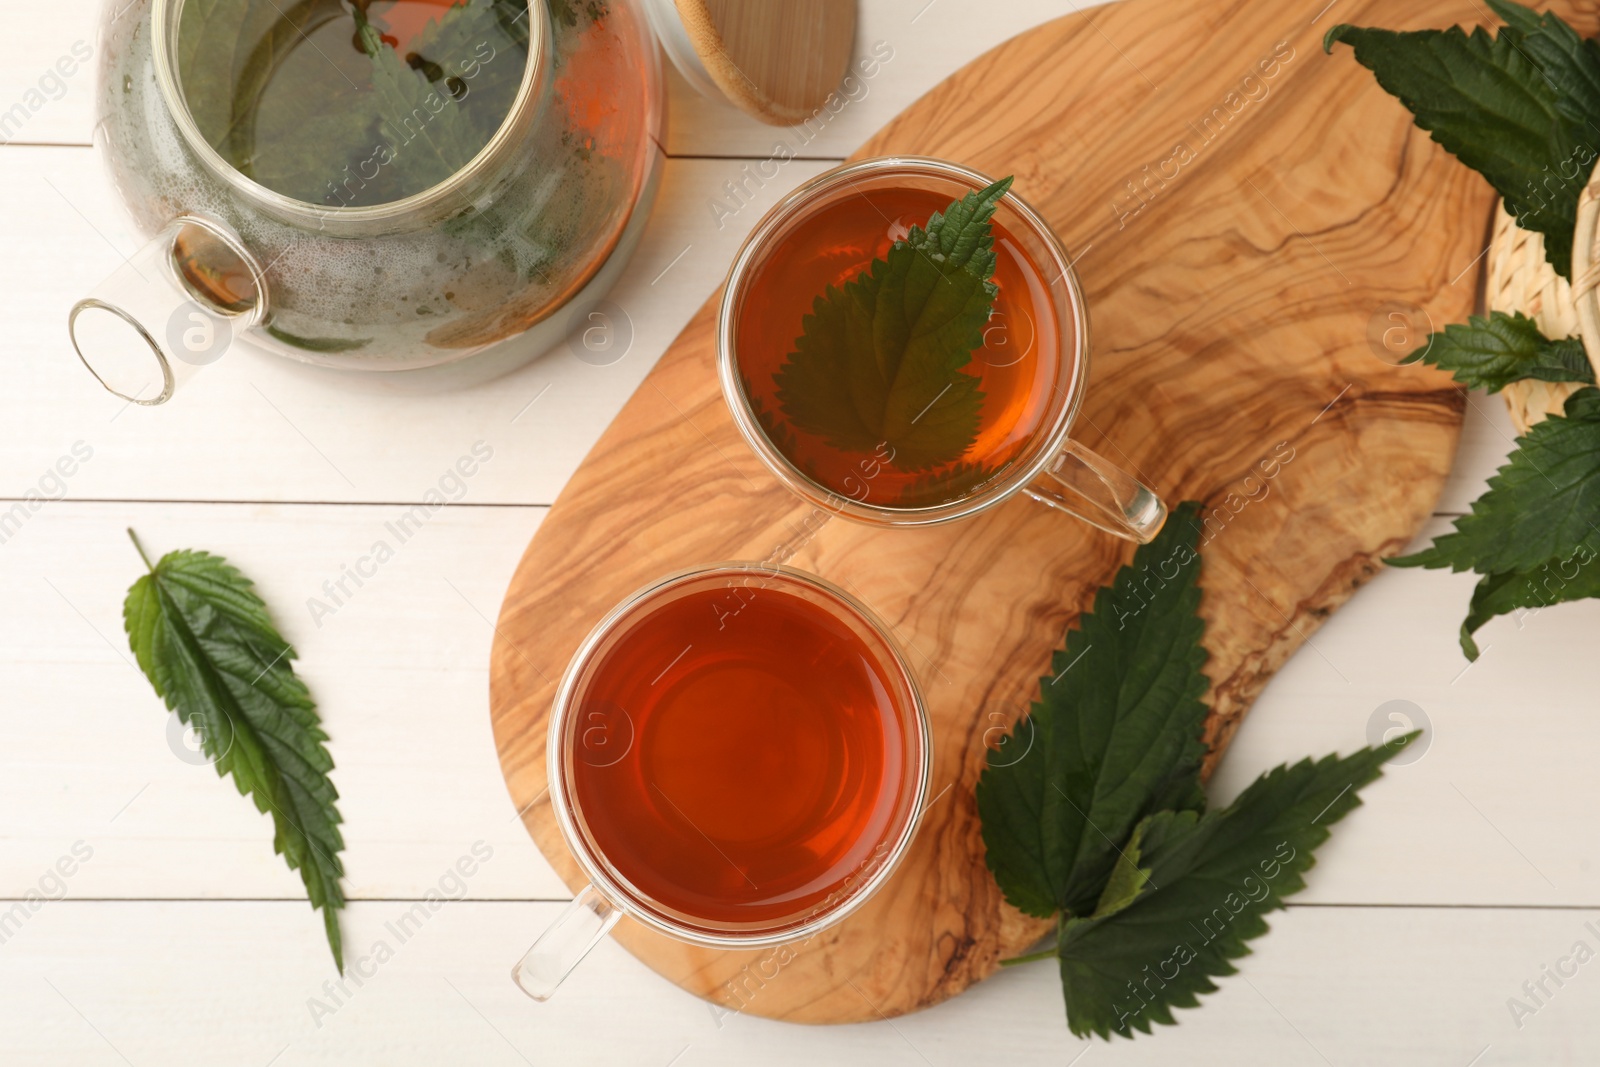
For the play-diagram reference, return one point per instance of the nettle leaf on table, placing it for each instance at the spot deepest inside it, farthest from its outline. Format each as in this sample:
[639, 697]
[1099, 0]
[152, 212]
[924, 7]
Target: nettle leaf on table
[881, 359]
[1191, 889]
[1114, 735]
[1517, 107]
[1575, 576]
[1490, 353]
[1523, 109]
[1541, 506]
[1534, 535]
[204, 639]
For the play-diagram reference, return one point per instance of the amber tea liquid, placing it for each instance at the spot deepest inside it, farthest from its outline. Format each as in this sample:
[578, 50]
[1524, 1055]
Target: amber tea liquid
[1017, 366]
[738, 755]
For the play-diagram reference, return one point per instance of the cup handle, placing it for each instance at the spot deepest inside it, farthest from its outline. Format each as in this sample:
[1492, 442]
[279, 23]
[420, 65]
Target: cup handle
[563, 946]
[1100, 493]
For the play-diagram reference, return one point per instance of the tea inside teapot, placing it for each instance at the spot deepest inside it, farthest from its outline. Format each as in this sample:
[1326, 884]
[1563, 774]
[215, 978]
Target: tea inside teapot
[384, 185]
[350, 103]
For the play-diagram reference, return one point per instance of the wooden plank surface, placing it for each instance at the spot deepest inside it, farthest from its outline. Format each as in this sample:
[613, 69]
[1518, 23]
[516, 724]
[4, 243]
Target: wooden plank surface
[401, 674]
[1339, 985]
[175, 980]
[1227, 343]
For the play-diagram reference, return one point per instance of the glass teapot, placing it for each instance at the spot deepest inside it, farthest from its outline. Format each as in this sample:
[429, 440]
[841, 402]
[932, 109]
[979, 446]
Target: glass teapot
[366, 184]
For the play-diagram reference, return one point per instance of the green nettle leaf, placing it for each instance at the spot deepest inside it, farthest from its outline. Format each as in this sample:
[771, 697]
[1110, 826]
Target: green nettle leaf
[956, 480]
[203, 638]
[880, 360]
[574, 13]
[1113, 737]
[1491, 353]
[351, 122]
[513, 16]
[777, 432]
[1128, 878]
[256, 68]
[466, 53]
[1521, 108]
[1574, 577]
[1205, 881]
[1542, 505]
[228, 54]
[1111, 753]
[318, 344]
[1515, 107]
[1569, 62]
[424, 124]
[212, 36]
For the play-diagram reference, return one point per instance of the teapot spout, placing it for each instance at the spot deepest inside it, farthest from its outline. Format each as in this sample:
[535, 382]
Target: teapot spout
[172, 308]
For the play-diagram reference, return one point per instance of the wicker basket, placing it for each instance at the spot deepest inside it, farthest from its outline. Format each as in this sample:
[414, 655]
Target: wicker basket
[1521, 280]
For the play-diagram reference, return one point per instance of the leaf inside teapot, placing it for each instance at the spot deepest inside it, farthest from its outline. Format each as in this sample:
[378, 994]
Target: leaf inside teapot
[351, 104]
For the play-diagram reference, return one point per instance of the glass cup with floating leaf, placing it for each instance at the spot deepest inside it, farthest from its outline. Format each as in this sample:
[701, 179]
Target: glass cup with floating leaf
[903, 341]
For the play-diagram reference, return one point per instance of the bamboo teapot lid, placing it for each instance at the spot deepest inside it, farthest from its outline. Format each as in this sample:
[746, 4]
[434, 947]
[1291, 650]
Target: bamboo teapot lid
[774, 59]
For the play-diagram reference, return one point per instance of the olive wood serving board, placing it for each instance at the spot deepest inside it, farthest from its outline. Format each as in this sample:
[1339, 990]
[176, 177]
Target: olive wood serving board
[1242, 210]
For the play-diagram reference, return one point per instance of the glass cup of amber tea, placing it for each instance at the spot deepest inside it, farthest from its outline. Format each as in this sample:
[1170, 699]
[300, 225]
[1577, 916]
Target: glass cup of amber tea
[738, 757]
[903, 341]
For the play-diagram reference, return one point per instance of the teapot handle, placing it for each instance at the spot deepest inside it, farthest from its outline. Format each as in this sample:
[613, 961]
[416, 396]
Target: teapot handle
[172, 308]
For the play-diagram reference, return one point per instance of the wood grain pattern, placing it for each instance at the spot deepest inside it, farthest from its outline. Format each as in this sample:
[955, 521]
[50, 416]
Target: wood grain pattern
[777, 60]
[1236, 233]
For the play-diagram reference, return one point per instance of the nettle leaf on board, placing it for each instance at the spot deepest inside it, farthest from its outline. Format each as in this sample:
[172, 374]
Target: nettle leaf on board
[1517, 107]
[1092, 810]
[1113, 737]
[1569, 62]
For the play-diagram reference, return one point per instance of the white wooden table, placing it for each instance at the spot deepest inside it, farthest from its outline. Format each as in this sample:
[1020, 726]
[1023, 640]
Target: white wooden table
[184, 940]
